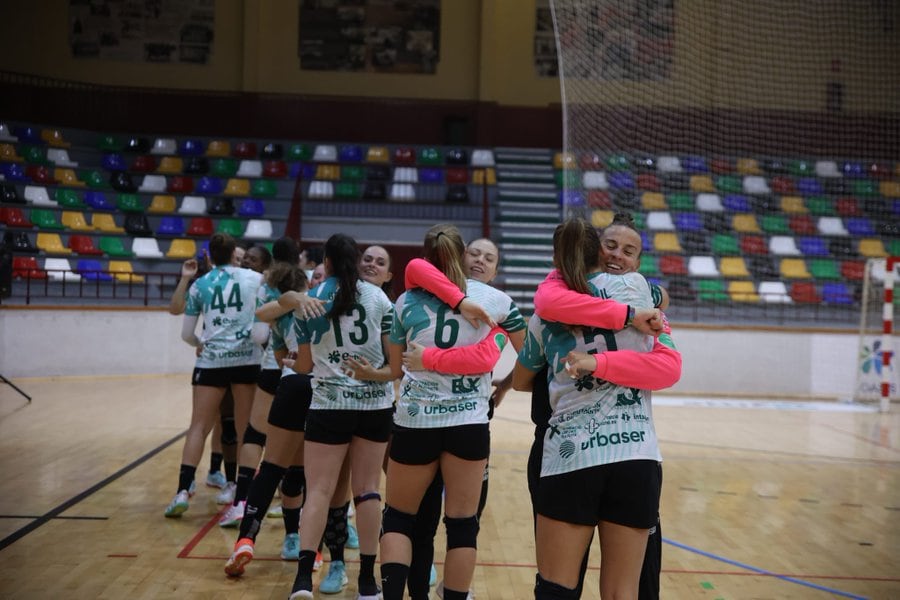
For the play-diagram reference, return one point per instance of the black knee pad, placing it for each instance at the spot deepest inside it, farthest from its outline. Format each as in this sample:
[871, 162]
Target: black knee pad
[294, 482]
[252, 436]
[229, 433]
[461, 533]
[547, 590]
[366, 496]
[394, 521]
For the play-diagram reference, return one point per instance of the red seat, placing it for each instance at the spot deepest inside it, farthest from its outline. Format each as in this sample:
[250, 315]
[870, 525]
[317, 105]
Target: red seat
[244, 150]
[672, 264]
[181, 184]
[881, 170]
[721, 166]
[200, 226]
[647, 182]
[84, 244]
[591, 162]
[14, 217]
[853, 269]
[599, 199]
[847, 207]
[802, 225]
[405, 156]
[805, 292]
[40, 174]
[782, 185]
[26, 267]
[754, 244]
[144, 163]
[457, 175]
[275, 169]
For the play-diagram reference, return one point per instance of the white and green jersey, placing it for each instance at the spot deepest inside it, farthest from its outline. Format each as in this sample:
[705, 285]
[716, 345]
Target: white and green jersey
[357, 334]
[429, 399]
[594, 422]
[226, 298]
[283, 337]
[264, 295]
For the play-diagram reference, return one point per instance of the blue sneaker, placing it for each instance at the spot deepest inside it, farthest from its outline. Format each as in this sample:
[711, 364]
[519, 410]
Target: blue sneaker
[290, 548]
[336, 579]
[433, 578]
[352, 537]
[216, 479]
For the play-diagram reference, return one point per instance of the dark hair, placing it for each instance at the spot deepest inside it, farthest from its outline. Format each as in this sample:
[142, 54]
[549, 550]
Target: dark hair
[221, 248]
[624, 219]
[285, 249]
[388, 286]
[315, 254]
[444, 247]
[343, 256]
[286, 277]
[576, 252]
[266, 255]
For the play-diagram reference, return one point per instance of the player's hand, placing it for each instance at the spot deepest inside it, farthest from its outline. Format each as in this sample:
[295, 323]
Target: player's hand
[413, 357]
[579, 364]
[475, 313]
[648, 321]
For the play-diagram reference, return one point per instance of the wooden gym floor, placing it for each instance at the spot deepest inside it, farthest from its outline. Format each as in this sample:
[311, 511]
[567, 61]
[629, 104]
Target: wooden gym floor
[761, 500]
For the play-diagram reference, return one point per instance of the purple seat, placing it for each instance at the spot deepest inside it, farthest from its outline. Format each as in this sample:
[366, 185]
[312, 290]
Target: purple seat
[571, 198]
[431, 175]
[171, 226]
[98, 201]
[350, 153]
[736, 203]
[114, 162]
[812, 246]
[809, 186]
[251, 207]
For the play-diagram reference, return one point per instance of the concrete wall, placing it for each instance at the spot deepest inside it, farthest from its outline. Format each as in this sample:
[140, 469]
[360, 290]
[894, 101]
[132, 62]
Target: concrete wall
[746, 362]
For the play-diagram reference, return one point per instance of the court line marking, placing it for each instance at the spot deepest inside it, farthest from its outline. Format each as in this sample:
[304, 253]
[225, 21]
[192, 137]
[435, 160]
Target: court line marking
[74, 518]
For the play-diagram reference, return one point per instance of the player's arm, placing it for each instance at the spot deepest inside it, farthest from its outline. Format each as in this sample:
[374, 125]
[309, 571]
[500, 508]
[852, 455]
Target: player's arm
[463, 360]
[421, 273]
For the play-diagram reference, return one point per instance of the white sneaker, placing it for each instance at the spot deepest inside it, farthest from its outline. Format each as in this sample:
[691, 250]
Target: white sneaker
[226, 496]
[275, 512]
[178, 505]
[234, 515]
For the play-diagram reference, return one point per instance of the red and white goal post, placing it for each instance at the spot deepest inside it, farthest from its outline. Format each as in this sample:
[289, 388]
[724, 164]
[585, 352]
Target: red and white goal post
[876, 375]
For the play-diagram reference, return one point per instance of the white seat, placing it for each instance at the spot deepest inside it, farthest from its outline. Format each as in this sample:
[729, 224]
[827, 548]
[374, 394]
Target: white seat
[145, 247]
[660, 220]
[594, 180]
[668, 164]
[406, 174]
[774, 291]
[756, 184]
[325, 153]
[60, 156]
[193, 205]
[59, 269]
[783, 245]
[831, 226]
[6, 135]
[827, 168]
[709, 203]
[38, 196]
[250, 168]
[163, 146]
[322, 190]
[702, 266]
[153, 183]
[482, 158]
[402, 192]
[258, 229]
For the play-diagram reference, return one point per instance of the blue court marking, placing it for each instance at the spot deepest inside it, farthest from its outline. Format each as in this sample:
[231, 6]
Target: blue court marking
[763, 571]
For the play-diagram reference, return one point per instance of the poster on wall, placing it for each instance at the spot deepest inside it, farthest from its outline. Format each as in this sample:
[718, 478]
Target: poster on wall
[606, 39]
[378, 36]
[157, 31]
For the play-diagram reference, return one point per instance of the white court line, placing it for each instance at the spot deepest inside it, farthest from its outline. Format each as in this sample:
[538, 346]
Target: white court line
[848, 407]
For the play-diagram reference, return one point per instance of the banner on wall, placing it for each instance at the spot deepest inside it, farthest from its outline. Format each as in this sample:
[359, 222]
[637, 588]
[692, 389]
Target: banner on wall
[157, 31]
[379, 36]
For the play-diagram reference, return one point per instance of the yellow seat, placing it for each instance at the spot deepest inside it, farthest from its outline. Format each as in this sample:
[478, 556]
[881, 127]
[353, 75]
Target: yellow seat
[377, 154]
[328, 172]
[890, 189]
[564, 160]
[8, 153]
[170, 165]
[872, 248]
[105, 222]
[653, 201]
[67, 177]
[123, 271]
[218, 148]
[745, 223]
[793, 204]
[702, 183]
[162, 204]
[237, 187]
[51, 243]
[748, 166]
[54, 138]
[742, 291]
[794, 268]
[182, 248]
[666, 241]
[601, 218]
[733, 266]
[75, 221]
[480, 176]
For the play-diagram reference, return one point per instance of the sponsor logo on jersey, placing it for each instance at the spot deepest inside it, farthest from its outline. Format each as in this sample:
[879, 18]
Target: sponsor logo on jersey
[365, 394]
[465, 385]
[443, 409]
[599, 440]
[632, 396]
[567, 449]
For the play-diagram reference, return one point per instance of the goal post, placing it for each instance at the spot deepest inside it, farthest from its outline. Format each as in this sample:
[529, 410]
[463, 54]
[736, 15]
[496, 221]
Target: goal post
[876, 375]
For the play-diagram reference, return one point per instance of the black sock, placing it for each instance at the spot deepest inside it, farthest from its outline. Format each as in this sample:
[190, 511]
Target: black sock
[424, 530]
[215, 462]
[245, 476]
[303, 581]
[367, 585]
[186, 477]
[455, 595]
[393, 580]
[336, 531]
[259, 497]
[230, 471]
[291, 518]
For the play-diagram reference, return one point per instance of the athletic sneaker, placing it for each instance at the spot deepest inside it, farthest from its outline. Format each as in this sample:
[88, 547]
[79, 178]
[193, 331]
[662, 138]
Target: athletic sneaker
[318, 562]
[216, 479]
[440, 592]
[192, 489]
[352, 537]
[226, 496]
[275, 512]
[432, 579]
[336, 579]
[240, 558]
[350, 511]
[290, 548]
[375, 596]
[301, 595]
[234, 514]
[178, 505]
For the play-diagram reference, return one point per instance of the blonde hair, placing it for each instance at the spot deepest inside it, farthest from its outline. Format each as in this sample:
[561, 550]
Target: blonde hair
[576, 252]
[444, 248]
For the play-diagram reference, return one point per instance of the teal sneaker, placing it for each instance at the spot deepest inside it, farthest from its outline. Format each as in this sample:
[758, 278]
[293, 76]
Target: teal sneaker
[216, 479]
[352, 537]
[433, 578]
[290, 548]
[179, 505]
[336, 579]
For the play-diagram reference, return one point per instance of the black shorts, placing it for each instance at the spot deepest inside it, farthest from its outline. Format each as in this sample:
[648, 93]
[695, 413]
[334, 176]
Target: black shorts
[225, 376]
[626, 493]
[268, 380]
[424, 446]
[291, 402]
[339, 426]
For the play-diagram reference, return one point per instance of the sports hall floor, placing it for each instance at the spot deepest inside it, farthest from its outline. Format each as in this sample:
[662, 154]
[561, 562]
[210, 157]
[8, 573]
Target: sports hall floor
[761, 500]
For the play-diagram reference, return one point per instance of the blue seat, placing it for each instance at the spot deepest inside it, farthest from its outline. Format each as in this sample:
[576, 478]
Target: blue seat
[98, 201]
[859, 226]
[202, 249]
[737, 203]
[251, 207]
[809, 186]
[28, 135]
[812, 246]
[114, 162]
[14, 172]
[646, 241]
[294, 169]
[171, 226]
[92, 269]
[620, 180]
[694, 165]
[853, 169]
[571, 198]
[688, 221]
[431, 175]
[836, 292]
[191, 148]
[209, 185]
[350, 153]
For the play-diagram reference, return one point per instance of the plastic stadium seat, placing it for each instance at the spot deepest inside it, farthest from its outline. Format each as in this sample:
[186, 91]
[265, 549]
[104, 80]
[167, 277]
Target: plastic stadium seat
[377, 154]
[37, 195]
[695, 242]
[59, 269]
[153, 183]
[350, 153]
[666, 242]
[748, 166]
[669, 164]
[109, 143]
[842, 247]
[436, 175]
[54, 137]
[482, 158]
[742, 291]
[233, 227]
[51, 243]
[163, 146]
[680, 289]
[774, 292]
[191, 148]
[456, 156]
[146, 247]
[209, 185]
[600, 218]
[723, 243]
[812, 246]
[827, 168]
[831, 226]
[181, 184]
[192, 205]
[6, 135]
[711, 290]
[196, 165]
[745, 223]
[774, 224]
[729, 184]
[67, 177]
[113, 246]
[859, 226]
[599, 199]
[374, 190]
[347, 190]
[200, 227]
[848, 207]
[105, 222]
[129, 203]
[60, 157]
[142, 163]
[564, 160]
[182, 248]
[837, 292]
[173, 226]
[275, 169]
[258, 229]
[325, 153]
[702, 183]
[456, 175]
[708, 203]
[824, 268]
[872, 248]
[14, 217]
[802, 225]
[455, 193]
[263, 187]
[84, 244]
[672, 264]
[737, 203]
[123, 271]
[853, 270]
[694, 164]
[137, 145]
[137, 225]
[688, 221]
[251, 207]
[26, 267]
[756, 185]
[733, 267]
[782, 184]
[595, 180]
[222, 206]
[809, 187]
[402, 192]
[820, 206]
[648, 182]
[853, 169]
[889, 189]
[170, 165]
[32, 154]
[75, 221]
[8, 153]
[793, 268]
[754, 244]
[804, 292]
[304, 171]
[321, 190]
[250, 168]
[45, 219]
[223, 167]
[14, 172]
[162, 204]
[702, 266]
[121, 182]
[237, 187]
[40, 174]
[406, 175]
[653, 201]
[649, 266]
[218, 148]
[660, 220]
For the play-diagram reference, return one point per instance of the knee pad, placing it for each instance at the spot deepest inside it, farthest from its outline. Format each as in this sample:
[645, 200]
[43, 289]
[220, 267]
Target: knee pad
[547, 590]
[294, 482]
[229, 433]
[461, 533]
[253, 436]
[394, 521]
[364, 497]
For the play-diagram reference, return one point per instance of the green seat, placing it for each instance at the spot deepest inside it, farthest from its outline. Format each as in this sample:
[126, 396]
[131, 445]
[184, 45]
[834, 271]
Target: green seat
[233, 227]
[34, 155]
[300, 152]
[113, 246]
[711, 290]
[570, 178]
[129, 203]
[729, 184]
[722, 243]
[45, 219]
[430, 157]
[774, 224]
[893, 248]
[863, 187]
[801, 168]
[263, 187]
[823, 268]
[346, 190]
[618, 162]
[640, 220]
[649, 265]
[820, 206]
[224, 167]
[680, 202]
[93, 179]
[68, 198]
[109, 143]
[353, 173]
